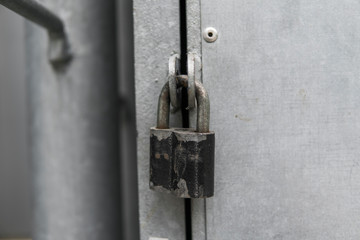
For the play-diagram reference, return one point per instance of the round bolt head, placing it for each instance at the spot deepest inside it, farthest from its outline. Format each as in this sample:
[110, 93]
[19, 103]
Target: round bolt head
[210, 34]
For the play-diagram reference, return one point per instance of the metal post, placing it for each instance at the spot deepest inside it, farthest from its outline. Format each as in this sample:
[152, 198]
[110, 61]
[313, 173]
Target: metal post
[59, 47]
[74, 127]
[127, 122]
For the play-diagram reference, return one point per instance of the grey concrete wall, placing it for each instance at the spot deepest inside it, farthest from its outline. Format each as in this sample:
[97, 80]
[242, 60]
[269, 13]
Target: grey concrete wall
[14, 161]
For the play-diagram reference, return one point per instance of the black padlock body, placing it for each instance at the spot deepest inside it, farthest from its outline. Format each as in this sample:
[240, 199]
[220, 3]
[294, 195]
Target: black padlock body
[194, 163]
[161, 160]
[182, 162]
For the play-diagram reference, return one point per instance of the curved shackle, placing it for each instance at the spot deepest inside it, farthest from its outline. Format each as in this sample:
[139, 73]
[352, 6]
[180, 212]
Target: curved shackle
[203, 108]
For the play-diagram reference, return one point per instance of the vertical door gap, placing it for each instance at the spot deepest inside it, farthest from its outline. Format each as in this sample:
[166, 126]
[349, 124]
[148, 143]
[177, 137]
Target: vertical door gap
[184, 104]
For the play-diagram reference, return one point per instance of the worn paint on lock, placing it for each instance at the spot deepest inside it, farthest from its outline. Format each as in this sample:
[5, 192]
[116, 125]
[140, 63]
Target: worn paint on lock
[182, 163]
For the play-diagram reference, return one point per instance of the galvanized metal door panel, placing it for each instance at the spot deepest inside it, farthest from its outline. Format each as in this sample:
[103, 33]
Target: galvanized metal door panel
[157, 36]
[284, 80]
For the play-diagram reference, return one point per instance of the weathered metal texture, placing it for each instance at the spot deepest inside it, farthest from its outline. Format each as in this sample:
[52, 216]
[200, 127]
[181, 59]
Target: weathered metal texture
[74, 126]
[198, 218]
[175, 93]
[283, 77]
[193, 74]
[194, 46]
[193, 25]
[163, 115]
[203, 106]
[156, 29]
[59, 47]
[194, 41]
[182, 162]
[191, 82]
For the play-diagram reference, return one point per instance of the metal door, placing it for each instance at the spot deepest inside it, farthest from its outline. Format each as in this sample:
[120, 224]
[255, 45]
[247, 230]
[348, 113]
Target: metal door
[283, 80]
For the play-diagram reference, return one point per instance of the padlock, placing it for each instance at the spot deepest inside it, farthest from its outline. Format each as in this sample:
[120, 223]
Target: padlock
[181, 159]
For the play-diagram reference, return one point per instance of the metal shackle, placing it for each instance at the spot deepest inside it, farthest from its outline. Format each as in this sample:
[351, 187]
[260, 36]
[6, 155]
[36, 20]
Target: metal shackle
[203, 108]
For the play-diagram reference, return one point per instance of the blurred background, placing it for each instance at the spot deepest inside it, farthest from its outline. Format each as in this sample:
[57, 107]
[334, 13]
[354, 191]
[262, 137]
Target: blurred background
[16, 199]
[15, 207]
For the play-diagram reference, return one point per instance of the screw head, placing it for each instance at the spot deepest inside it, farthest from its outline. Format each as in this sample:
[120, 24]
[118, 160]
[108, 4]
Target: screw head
[210, 34]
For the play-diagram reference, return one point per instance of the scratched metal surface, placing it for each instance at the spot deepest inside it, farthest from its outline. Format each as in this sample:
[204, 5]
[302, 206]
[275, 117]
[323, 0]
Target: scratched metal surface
[284, 80]
[156, 29]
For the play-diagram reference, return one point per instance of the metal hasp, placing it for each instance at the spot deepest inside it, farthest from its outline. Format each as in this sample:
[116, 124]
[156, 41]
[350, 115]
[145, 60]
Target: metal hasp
[181, 159]
[59, 47]
[194, 74]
